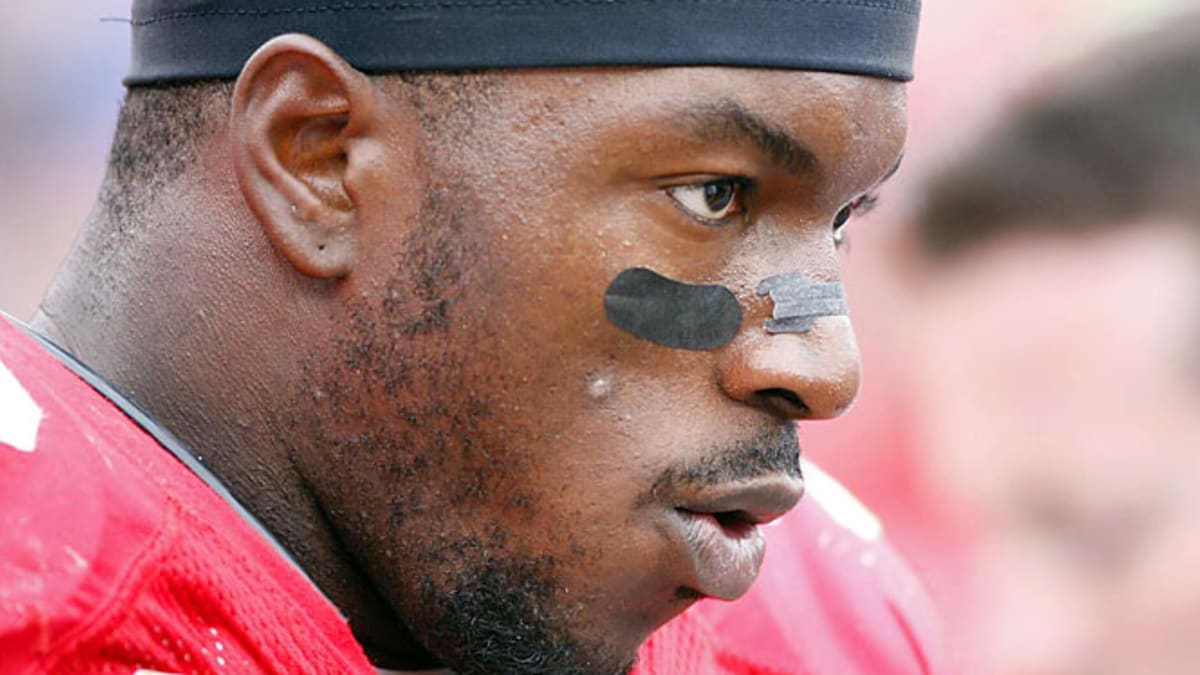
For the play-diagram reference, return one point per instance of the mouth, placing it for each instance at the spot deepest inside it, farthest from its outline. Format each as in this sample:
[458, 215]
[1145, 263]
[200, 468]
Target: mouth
[720, 531]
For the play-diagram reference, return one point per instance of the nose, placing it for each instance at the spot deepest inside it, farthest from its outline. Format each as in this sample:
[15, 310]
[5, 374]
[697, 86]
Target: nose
[813, 375]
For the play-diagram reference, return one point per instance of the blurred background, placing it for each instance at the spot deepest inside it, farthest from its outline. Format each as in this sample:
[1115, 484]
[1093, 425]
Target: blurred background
[1027, 425]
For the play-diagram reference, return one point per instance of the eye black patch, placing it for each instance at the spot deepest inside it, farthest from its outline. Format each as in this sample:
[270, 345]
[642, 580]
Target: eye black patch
[672, 313]
[799, 301]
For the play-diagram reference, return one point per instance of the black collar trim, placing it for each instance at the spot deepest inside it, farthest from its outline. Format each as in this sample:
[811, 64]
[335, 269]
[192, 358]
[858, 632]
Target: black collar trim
[160, 434]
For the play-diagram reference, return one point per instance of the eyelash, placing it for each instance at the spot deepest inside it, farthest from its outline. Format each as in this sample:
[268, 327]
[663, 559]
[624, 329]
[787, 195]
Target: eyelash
[858, 207]
[740, 185]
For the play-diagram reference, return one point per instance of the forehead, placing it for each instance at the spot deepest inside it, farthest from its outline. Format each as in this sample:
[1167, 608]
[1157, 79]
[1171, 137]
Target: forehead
[851, 124]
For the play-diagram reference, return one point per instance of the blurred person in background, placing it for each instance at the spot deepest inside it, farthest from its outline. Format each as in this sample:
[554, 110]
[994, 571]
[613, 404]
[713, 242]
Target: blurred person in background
[1060, 364]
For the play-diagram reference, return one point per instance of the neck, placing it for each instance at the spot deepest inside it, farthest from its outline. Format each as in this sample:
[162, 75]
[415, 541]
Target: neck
[220, 424]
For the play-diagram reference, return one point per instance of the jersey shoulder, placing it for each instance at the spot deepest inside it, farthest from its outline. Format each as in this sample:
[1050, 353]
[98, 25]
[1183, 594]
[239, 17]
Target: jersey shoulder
[114, 557]
[76, 512]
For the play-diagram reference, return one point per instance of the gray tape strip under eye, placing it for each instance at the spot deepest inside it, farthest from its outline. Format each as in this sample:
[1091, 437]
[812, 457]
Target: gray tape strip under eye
[672, 313]
[799, 301]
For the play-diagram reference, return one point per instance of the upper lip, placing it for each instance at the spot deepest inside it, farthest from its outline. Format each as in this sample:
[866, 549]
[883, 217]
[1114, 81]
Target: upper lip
[757, 501]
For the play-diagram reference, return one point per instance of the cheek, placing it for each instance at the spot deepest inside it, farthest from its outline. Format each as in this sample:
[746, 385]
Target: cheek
[553, 345]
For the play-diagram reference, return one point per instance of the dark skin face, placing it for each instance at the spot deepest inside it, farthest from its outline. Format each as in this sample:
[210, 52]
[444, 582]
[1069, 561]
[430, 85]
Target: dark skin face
[466, 455]
[490, 441]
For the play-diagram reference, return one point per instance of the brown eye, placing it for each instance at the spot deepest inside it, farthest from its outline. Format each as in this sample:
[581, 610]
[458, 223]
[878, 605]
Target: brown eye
[712, 202]
[718, 196]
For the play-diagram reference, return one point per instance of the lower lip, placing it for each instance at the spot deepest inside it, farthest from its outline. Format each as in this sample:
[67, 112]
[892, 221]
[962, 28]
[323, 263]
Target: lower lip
[725, 558]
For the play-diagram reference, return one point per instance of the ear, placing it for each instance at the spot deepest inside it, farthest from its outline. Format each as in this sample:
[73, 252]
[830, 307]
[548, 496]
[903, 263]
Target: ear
[300, 116]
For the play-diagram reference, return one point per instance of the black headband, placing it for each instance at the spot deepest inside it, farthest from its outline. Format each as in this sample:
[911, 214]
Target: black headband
[178, 40]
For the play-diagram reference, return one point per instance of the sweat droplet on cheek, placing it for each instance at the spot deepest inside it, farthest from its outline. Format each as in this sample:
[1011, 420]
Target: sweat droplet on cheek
[599, 387]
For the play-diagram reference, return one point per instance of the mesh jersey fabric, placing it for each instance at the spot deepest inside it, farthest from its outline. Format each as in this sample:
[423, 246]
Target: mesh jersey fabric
[114, 558]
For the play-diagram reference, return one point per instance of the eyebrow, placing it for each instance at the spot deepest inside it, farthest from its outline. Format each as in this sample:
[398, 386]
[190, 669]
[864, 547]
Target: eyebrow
[730, 121]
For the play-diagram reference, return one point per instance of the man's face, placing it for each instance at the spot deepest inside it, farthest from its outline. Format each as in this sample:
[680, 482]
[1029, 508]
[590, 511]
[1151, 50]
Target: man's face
[532, 488]
[1062, 380]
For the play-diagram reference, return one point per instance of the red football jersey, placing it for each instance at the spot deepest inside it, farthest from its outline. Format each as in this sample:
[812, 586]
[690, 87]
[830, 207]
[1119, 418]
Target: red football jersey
[115, 557]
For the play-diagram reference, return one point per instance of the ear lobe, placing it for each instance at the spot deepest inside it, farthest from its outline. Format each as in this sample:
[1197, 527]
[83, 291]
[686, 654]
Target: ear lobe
[299, 111]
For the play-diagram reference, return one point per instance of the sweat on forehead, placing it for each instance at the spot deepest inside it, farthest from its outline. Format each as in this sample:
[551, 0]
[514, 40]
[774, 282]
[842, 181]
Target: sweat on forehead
[179, 40]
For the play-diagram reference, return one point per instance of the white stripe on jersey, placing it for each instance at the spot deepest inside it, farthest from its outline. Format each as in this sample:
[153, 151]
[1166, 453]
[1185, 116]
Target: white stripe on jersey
[839, 503]
[20, 416]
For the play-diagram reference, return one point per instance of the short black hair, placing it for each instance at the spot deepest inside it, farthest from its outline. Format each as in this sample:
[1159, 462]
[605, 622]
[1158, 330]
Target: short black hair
[159, 127]
[1118, 141]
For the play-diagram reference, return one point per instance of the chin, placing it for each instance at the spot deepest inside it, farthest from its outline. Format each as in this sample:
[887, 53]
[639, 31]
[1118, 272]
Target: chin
[516, 615]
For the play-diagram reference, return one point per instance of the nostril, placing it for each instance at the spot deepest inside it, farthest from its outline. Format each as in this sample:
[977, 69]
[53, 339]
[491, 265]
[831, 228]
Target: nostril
[788, 401]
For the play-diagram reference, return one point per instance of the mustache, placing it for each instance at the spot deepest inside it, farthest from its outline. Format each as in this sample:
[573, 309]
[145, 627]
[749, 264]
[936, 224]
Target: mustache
[774, 450]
